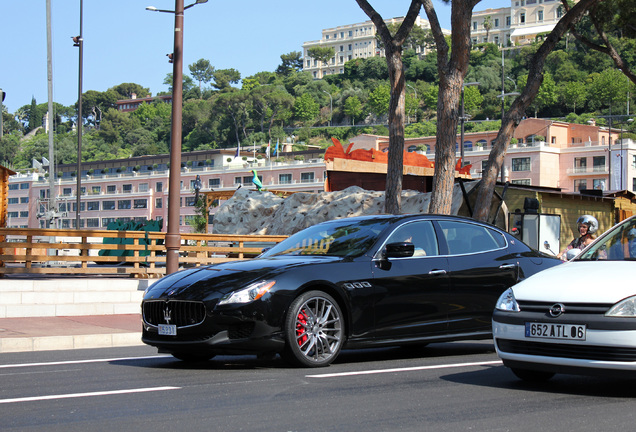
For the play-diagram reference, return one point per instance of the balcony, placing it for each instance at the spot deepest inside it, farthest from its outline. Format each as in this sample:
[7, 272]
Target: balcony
[587, 171]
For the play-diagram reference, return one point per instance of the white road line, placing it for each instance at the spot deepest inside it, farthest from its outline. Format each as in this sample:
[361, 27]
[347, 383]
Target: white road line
[81, 395]
[408, 369]
[19, 365]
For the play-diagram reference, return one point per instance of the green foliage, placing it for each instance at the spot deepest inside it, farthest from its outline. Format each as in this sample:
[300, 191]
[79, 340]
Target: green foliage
[290, 62]
[199, 222]
[379, 100]
[353, 108]
[306, 109]
[321, 53]
[202, 71]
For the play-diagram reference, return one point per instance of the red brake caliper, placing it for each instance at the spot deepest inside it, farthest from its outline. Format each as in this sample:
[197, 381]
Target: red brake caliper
[301, 334]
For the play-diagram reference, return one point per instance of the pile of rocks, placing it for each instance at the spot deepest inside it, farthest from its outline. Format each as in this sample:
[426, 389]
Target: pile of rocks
[254, 212]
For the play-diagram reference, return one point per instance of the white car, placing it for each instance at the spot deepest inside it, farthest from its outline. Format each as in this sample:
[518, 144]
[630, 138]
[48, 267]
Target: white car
[575, 318]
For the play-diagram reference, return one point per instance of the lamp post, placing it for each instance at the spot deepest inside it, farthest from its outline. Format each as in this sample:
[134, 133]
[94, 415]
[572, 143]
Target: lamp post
[462, 119]
[1, 100]
[622, 186]
[173, 236]
[78, 41]
[330, 107]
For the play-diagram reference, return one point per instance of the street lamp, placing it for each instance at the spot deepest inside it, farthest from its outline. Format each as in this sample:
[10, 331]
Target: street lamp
[173, 236]
[462, 119]
[629, 120]
[78, 41]
[330, 107]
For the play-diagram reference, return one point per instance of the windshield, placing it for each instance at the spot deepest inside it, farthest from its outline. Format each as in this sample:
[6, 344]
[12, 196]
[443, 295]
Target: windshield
[618, 244]
[341, 238]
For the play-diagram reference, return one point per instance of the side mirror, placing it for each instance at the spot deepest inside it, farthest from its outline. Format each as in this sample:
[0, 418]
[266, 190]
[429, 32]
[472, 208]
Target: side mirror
[572, 253]
[399, 250]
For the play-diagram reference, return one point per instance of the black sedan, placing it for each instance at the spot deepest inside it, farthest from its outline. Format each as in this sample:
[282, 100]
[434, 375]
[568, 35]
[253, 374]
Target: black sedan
[358, 282]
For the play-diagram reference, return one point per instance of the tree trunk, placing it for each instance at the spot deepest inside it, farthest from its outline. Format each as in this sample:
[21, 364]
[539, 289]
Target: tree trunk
[512, 118]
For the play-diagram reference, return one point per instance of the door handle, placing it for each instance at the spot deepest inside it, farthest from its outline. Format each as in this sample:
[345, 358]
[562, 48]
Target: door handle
[508, 266]
[437, 272]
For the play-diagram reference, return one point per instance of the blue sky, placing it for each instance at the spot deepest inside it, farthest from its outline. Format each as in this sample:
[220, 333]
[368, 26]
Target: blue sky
[125, 43]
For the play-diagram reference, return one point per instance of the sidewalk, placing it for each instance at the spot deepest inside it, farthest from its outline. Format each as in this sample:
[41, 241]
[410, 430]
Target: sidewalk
[72, 332]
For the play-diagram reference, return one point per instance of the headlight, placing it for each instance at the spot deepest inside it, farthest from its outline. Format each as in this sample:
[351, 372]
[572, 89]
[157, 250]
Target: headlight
[248, 294]
[624, 308]
[507, 302]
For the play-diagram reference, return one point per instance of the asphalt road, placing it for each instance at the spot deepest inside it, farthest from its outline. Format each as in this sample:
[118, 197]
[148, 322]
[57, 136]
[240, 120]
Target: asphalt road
[443, 387]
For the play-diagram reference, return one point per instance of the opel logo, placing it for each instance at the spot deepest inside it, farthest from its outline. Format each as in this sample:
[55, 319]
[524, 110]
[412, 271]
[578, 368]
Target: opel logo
[167, 314]
[557, 310]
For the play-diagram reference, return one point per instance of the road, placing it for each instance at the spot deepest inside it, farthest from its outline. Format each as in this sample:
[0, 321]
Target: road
[443, 387]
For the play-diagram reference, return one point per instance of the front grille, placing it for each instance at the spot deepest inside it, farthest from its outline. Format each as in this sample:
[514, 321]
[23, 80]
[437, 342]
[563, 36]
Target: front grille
[179, 312]
[586, 352]
[570, 308]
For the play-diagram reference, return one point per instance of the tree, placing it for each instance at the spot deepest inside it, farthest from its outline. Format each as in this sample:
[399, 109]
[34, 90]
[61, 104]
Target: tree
[353, 108]
[306, 109]
[127, 90]
[573, 93]
[224, 77]
[321, 53]
[488, 25]
[513, 117]
[202, 71]
[379, 100]
[547, 94]
[393, 52]
[290, 62]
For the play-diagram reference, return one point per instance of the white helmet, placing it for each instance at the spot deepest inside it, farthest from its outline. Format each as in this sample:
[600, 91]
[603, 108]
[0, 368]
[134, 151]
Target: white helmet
[590, 221]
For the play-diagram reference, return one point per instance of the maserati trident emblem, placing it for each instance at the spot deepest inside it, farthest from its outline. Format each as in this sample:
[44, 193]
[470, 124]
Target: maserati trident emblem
[557, 310]
[167, 314]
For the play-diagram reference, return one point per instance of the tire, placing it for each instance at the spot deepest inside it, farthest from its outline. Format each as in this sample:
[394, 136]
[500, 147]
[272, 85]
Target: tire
[532, 375]
[191, 357]
[314, 330]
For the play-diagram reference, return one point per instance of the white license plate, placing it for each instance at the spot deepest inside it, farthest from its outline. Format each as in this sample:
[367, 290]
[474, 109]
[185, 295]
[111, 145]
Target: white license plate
[167, 329]
[555, 331]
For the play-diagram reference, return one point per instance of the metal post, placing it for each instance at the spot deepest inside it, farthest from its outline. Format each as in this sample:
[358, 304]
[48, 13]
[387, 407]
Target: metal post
[173, 236]
[52, 207]
[78, 192]
[1, 99]
[461, 120]
[609, 149]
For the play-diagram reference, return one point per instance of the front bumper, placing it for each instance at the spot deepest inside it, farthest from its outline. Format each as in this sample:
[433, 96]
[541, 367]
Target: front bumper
[606, 350]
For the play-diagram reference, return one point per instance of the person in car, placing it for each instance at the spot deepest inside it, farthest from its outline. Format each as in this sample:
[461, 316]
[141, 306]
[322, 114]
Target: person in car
[587, 225]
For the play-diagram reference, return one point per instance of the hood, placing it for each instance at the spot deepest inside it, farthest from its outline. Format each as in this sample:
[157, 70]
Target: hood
[580, 282]
[201, 282]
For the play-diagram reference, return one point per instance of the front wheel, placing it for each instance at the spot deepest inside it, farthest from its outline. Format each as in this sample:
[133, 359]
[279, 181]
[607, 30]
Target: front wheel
[314, 330]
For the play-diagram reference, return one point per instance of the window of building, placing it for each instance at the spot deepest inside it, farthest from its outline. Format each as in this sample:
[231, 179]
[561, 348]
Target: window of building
[13, 214]
[579, 185]
[123, 204]
[284, 178]
[580, 164]
[307, 177]
[598, 184]
[24, 185]
[83, 190]
[598, 163]
[82, 206]
[13, 200]
[508, 21]
[127, 188]
[237, 180]
[14, 186]
[159, 186]
[108, 205]
[67, 192]
[141, 203]
[559, 12]
[158, 203]
[92, 222]
[106, 221]
[540, 15]
[24, 214]
[66, 223]
[633, 161]
[111, 189]
[525, 182]
[496, 22]
[474, 25]
[189, 202]
[143, 187]
[522, 18]
[214, 182]
[521, 164]
[92, 205]
[248, 179]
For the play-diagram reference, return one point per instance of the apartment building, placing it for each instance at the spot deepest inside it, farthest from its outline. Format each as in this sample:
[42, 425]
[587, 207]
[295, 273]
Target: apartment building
[349, 42]
[136, 189]
[571, 157]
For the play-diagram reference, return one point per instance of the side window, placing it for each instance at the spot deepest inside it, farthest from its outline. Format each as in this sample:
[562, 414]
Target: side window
[420, 233]
[467, 238]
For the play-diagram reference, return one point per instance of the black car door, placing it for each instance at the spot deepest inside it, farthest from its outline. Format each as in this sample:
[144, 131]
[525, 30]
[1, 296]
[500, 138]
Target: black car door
[480, 269]
[411, 292]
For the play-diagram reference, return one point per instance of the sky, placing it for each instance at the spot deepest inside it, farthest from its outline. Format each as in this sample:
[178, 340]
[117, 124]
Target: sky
[124, 43]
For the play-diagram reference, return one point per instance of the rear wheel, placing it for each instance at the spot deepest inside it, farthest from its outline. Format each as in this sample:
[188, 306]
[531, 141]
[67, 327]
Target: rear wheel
[314, 330]
[532, 375]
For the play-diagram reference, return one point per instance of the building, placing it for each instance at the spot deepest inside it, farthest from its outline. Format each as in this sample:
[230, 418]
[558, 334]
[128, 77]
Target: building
[349, 42]
[136, 189]
[127, 105]
[546, 153]
[518, 24]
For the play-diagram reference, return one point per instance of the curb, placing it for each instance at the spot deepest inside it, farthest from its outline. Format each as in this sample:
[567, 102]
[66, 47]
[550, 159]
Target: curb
[52, 343]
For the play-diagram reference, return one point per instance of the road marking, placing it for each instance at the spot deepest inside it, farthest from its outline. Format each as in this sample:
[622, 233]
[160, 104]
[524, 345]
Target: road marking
[81, 395]
[408, 369]
[19, 365]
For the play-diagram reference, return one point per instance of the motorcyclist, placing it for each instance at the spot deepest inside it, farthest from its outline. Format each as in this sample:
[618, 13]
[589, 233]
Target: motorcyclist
[587, 225]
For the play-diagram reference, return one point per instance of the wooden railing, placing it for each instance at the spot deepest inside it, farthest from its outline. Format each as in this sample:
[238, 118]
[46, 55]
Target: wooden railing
[136, 253]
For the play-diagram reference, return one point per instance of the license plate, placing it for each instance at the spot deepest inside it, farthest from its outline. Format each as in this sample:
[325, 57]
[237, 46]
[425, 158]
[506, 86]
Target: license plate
[555, 331]
[167, 329]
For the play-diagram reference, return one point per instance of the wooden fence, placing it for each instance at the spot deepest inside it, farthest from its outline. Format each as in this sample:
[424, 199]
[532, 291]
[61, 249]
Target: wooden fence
[136, 253]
